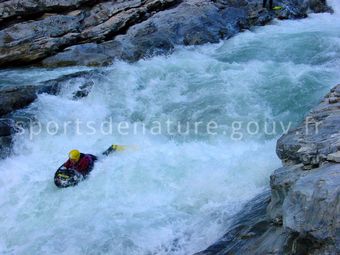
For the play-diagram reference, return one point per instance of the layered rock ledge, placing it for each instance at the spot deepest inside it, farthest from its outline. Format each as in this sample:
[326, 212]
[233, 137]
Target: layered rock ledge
[81, 32]
[301, 213]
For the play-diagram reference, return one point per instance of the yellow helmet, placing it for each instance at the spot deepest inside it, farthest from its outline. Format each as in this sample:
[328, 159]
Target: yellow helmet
[74, 155]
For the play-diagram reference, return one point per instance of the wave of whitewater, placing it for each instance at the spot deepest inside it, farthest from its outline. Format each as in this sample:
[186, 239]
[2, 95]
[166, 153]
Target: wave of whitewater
[173, 195]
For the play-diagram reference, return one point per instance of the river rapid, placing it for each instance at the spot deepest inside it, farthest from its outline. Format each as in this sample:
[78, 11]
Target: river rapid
[169, 192]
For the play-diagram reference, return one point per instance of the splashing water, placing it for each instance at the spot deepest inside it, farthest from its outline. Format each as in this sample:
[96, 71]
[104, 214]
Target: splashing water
[176, 193]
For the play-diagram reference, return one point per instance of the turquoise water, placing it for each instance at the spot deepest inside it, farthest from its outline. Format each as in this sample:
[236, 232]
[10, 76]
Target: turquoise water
[169, 193]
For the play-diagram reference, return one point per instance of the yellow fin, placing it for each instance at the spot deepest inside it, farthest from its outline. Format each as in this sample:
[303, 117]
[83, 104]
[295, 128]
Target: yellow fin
[117, 147]
[277, 8]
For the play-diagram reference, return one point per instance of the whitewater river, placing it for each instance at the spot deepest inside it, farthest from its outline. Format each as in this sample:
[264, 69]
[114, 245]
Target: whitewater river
[169, 193]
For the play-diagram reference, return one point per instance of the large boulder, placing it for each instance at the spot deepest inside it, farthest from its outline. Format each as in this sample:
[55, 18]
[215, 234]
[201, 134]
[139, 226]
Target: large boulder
[316, 137]
[14, 98]
[301, 216]
[311, 210]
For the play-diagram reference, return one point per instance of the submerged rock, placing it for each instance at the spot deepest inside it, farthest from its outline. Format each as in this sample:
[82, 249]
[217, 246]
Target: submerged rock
[14, 98]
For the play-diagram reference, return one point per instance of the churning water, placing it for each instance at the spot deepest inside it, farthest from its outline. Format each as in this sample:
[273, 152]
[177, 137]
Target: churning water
[170, 193]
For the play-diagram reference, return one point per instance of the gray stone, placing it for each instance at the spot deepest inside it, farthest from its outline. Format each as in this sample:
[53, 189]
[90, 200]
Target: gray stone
[312, 207]
[315, 138]
[89, 54]
[334, 157]
[29, 41]
[280, 183]
[16, 98]
[82, 32]
[14, 8]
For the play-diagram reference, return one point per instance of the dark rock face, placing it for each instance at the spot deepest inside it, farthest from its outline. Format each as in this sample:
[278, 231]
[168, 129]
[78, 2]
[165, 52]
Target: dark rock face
[82, 32]
[15, 98]
[5, 145]
[301, 216]
[319, 6]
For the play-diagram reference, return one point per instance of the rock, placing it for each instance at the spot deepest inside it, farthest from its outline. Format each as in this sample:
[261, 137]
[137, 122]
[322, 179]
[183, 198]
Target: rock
[5, 146]
[281, 182]
[334, 157]
[312, 207]
[16, 98]
[94, 33]
[84, 90]
[319, 6]
[30, 41]
[336, 91]
[161, 32]
[14, 8]
[5, 127]
[301, 216]
[251, 232]
[333, 100]
[315, 138]
[78, 84]
[89, 54]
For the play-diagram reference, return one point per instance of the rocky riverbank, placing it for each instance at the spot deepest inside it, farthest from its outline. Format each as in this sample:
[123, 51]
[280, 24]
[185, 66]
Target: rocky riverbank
[301, 213]
[56, 33]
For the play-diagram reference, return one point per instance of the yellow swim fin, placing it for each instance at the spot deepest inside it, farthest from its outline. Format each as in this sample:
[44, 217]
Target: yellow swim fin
[117, 147]
[277, 8]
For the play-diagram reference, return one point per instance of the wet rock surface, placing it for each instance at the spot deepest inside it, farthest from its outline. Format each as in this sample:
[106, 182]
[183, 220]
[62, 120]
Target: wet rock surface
[301, 214]
[95, 33]
[318, 136]
[65, 23]
[14, 98]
